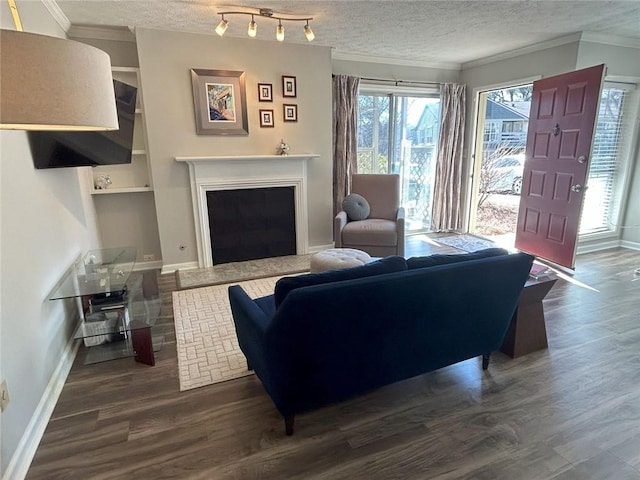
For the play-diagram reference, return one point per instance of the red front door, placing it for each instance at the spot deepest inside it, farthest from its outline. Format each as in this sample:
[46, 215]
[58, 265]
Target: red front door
[561, 124]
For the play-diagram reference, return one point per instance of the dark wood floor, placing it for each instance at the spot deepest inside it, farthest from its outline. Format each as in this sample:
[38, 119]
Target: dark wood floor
[569, 412]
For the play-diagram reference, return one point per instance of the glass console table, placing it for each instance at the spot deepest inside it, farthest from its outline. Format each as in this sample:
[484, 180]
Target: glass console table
[118, 306]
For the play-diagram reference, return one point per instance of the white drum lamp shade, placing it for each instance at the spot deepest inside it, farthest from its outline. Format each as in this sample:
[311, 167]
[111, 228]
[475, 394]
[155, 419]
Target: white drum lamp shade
[49, 83]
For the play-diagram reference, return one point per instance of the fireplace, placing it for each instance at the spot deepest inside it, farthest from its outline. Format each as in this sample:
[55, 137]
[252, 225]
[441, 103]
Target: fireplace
[251, 223]
[233, 173]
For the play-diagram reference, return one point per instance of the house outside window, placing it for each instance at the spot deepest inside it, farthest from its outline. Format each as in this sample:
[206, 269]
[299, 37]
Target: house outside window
[397, 133]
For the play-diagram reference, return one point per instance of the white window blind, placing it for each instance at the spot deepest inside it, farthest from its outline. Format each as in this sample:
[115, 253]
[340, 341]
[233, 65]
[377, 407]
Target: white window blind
[609, 159]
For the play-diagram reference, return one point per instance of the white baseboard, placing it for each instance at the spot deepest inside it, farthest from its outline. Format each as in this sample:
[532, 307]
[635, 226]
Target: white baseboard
[156, 264]
[23, 456]
[178, 266]
[631, 245]
[597, 245]
[319, 248]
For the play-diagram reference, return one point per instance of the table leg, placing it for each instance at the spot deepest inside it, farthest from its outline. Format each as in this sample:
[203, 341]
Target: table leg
[143, 346]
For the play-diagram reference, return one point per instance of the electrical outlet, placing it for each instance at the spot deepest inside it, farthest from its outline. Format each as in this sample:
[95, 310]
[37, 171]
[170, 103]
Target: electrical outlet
[4, 396]
[148, 257]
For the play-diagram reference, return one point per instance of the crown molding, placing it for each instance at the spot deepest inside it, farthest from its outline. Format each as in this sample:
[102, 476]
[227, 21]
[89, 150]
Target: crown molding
[120, 34]
[57, 14]
[615, 40]
[536, 47]
[353, 57]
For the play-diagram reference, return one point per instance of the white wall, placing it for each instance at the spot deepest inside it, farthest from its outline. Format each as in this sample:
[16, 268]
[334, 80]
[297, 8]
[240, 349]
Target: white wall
[166, 58]
[46, 221]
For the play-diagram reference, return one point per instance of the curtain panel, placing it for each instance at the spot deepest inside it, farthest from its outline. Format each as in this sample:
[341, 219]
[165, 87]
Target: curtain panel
[345, 135]
[447, 198]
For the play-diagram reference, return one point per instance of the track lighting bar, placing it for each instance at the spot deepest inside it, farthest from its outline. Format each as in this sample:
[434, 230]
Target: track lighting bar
[267, 13]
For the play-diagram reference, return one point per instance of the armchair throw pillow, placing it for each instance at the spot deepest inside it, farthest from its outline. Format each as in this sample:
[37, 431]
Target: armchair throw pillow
[356, 207]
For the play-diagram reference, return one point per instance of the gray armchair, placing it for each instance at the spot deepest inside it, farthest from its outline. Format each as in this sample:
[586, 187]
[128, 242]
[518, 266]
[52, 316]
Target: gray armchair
[382, 233]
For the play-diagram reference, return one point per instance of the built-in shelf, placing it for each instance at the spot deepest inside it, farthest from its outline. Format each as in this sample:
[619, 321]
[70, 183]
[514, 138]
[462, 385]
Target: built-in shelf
[108, 191]
[134, 176]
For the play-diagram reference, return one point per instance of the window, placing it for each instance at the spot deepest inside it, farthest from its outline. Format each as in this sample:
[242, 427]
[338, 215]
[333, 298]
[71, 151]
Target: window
[490, 132]
[397, 133]
[609, 158]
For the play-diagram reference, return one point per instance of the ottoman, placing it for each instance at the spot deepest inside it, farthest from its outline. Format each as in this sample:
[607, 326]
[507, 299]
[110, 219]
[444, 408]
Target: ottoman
[336, 258]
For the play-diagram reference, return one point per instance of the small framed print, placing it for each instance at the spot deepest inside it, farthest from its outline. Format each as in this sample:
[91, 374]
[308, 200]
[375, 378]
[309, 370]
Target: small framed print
[266, 118]
[289, 86]
[265, 92]
[290, 112]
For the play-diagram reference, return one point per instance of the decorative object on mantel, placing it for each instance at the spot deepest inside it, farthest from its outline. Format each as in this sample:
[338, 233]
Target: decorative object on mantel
[265, 92]
[290, 112]
[219, 102]
[266, 118]
[252, 29]
[289, 86]
[103, 182]
[283, 148]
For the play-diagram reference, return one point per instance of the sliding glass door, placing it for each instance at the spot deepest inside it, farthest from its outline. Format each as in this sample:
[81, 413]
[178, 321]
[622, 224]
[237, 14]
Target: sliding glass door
[398, 133]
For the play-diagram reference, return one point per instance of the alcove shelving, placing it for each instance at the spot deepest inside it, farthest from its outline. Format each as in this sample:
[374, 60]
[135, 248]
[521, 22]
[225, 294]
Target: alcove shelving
[135, 176]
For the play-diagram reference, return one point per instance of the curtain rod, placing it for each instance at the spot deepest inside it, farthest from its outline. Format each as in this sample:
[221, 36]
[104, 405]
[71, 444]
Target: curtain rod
[399, 82]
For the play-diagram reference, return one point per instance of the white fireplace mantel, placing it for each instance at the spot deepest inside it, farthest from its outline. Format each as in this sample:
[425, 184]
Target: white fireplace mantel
[231, 172]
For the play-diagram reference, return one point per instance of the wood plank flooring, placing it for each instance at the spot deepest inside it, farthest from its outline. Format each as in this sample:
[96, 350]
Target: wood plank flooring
[569, 412]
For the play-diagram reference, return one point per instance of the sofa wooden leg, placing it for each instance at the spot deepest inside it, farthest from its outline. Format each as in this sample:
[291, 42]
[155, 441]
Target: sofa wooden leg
[288, 424]
[486, 358]
[249, 366]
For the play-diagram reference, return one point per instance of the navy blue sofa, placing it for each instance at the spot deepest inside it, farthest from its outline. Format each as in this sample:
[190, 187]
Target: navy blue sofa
[325, 337]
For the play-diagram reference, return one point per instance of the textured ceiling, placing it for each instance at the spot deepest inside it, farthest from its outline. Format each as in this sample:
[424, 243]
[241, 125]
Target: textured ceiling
[418, 31]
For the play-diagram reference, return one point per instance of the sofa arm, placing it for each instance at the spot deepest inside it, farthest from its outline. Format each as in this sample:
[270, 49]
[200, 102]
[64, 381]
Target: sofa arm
[400, 230]
[339, 223]
[251, 323]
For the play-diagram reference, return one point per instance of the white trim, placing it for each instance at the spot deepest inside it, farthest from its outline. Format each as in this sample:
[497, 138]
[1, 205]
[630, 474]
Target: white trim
[120, 34]
[596, 246]
[153, 265]
[354, 57]
[57, 14]
[630, 245]
[608, 39]
[23, 456]
[556, 42]
[173, 267]
[320, 248]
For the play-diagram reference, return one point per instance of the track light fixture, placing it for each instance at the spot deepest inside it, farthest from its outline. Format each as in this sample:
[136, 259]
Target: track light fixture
[267, 13]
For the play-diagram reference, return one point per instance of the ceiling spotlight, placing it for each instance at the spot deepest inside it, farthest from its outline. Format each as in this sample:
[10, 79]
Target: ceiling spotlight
[222, 26]
[308, 32]
[280, 32]
[253, 28]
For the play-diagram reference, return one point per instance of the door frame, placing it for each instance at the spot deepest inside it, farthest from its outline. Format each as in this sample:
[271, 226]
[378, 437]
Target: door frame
[474, 161]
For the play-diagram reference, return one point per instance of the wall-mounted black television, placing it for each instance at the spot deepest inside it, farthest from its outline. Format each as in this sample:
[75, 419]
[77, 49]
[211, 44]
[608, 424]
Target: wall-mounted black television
[80, 149]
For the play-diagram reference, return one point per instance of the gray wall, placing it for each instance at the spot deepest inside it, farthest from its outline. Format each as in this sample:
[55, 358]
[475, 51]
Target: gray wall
[394, 72]
[47, 221]
[165, 61]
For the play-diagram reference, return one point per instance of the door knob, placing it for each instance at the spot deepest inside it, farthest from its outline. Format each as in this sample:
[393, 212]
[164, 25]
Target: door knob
[578, 188]
[582, 159]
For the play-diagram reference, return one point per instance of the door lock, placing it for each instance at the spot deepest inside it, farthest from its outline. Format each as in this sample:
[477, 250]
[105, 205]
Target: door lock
[582, 159]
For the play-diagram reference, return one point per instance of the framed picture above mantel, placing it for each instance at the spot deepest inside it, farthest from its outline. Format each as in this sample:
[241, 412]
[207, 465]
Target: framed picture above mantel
[219, 101]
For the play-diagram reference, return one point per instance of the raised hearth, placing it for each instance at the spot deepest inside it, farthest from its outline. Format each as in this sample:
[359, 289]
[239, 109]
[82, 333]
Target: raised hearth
[215, 173]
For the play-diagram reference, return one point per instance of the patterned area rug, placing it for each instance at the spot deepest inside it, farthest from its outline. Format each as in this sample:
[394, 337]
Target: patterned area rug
[468, 243]
[240, 271]
[207, 345]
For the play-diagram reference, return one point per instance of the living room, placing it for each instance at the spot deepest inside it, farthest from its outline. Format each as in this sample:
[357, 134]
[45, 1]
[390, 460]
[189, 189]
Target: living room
[49, 217]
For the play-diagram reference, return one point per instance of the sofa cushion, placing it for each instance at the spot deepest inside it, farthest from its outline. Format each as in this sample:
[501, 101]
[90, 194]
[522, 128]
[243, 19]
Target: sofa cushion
[384, 265]
[440, 259]
[356, 207]
[373, 231]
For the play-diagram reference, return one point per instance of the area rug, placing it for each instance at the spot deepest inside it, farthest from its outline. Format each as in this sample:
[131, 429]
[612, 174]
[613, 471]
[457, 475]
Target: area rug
[207, 345]
[468, 243]
[241, 271]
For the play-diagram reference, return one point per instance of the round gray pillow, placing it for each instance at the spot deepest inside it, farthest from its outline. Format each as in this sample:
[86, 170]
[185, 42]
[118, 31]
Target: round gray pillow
[356, 207]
